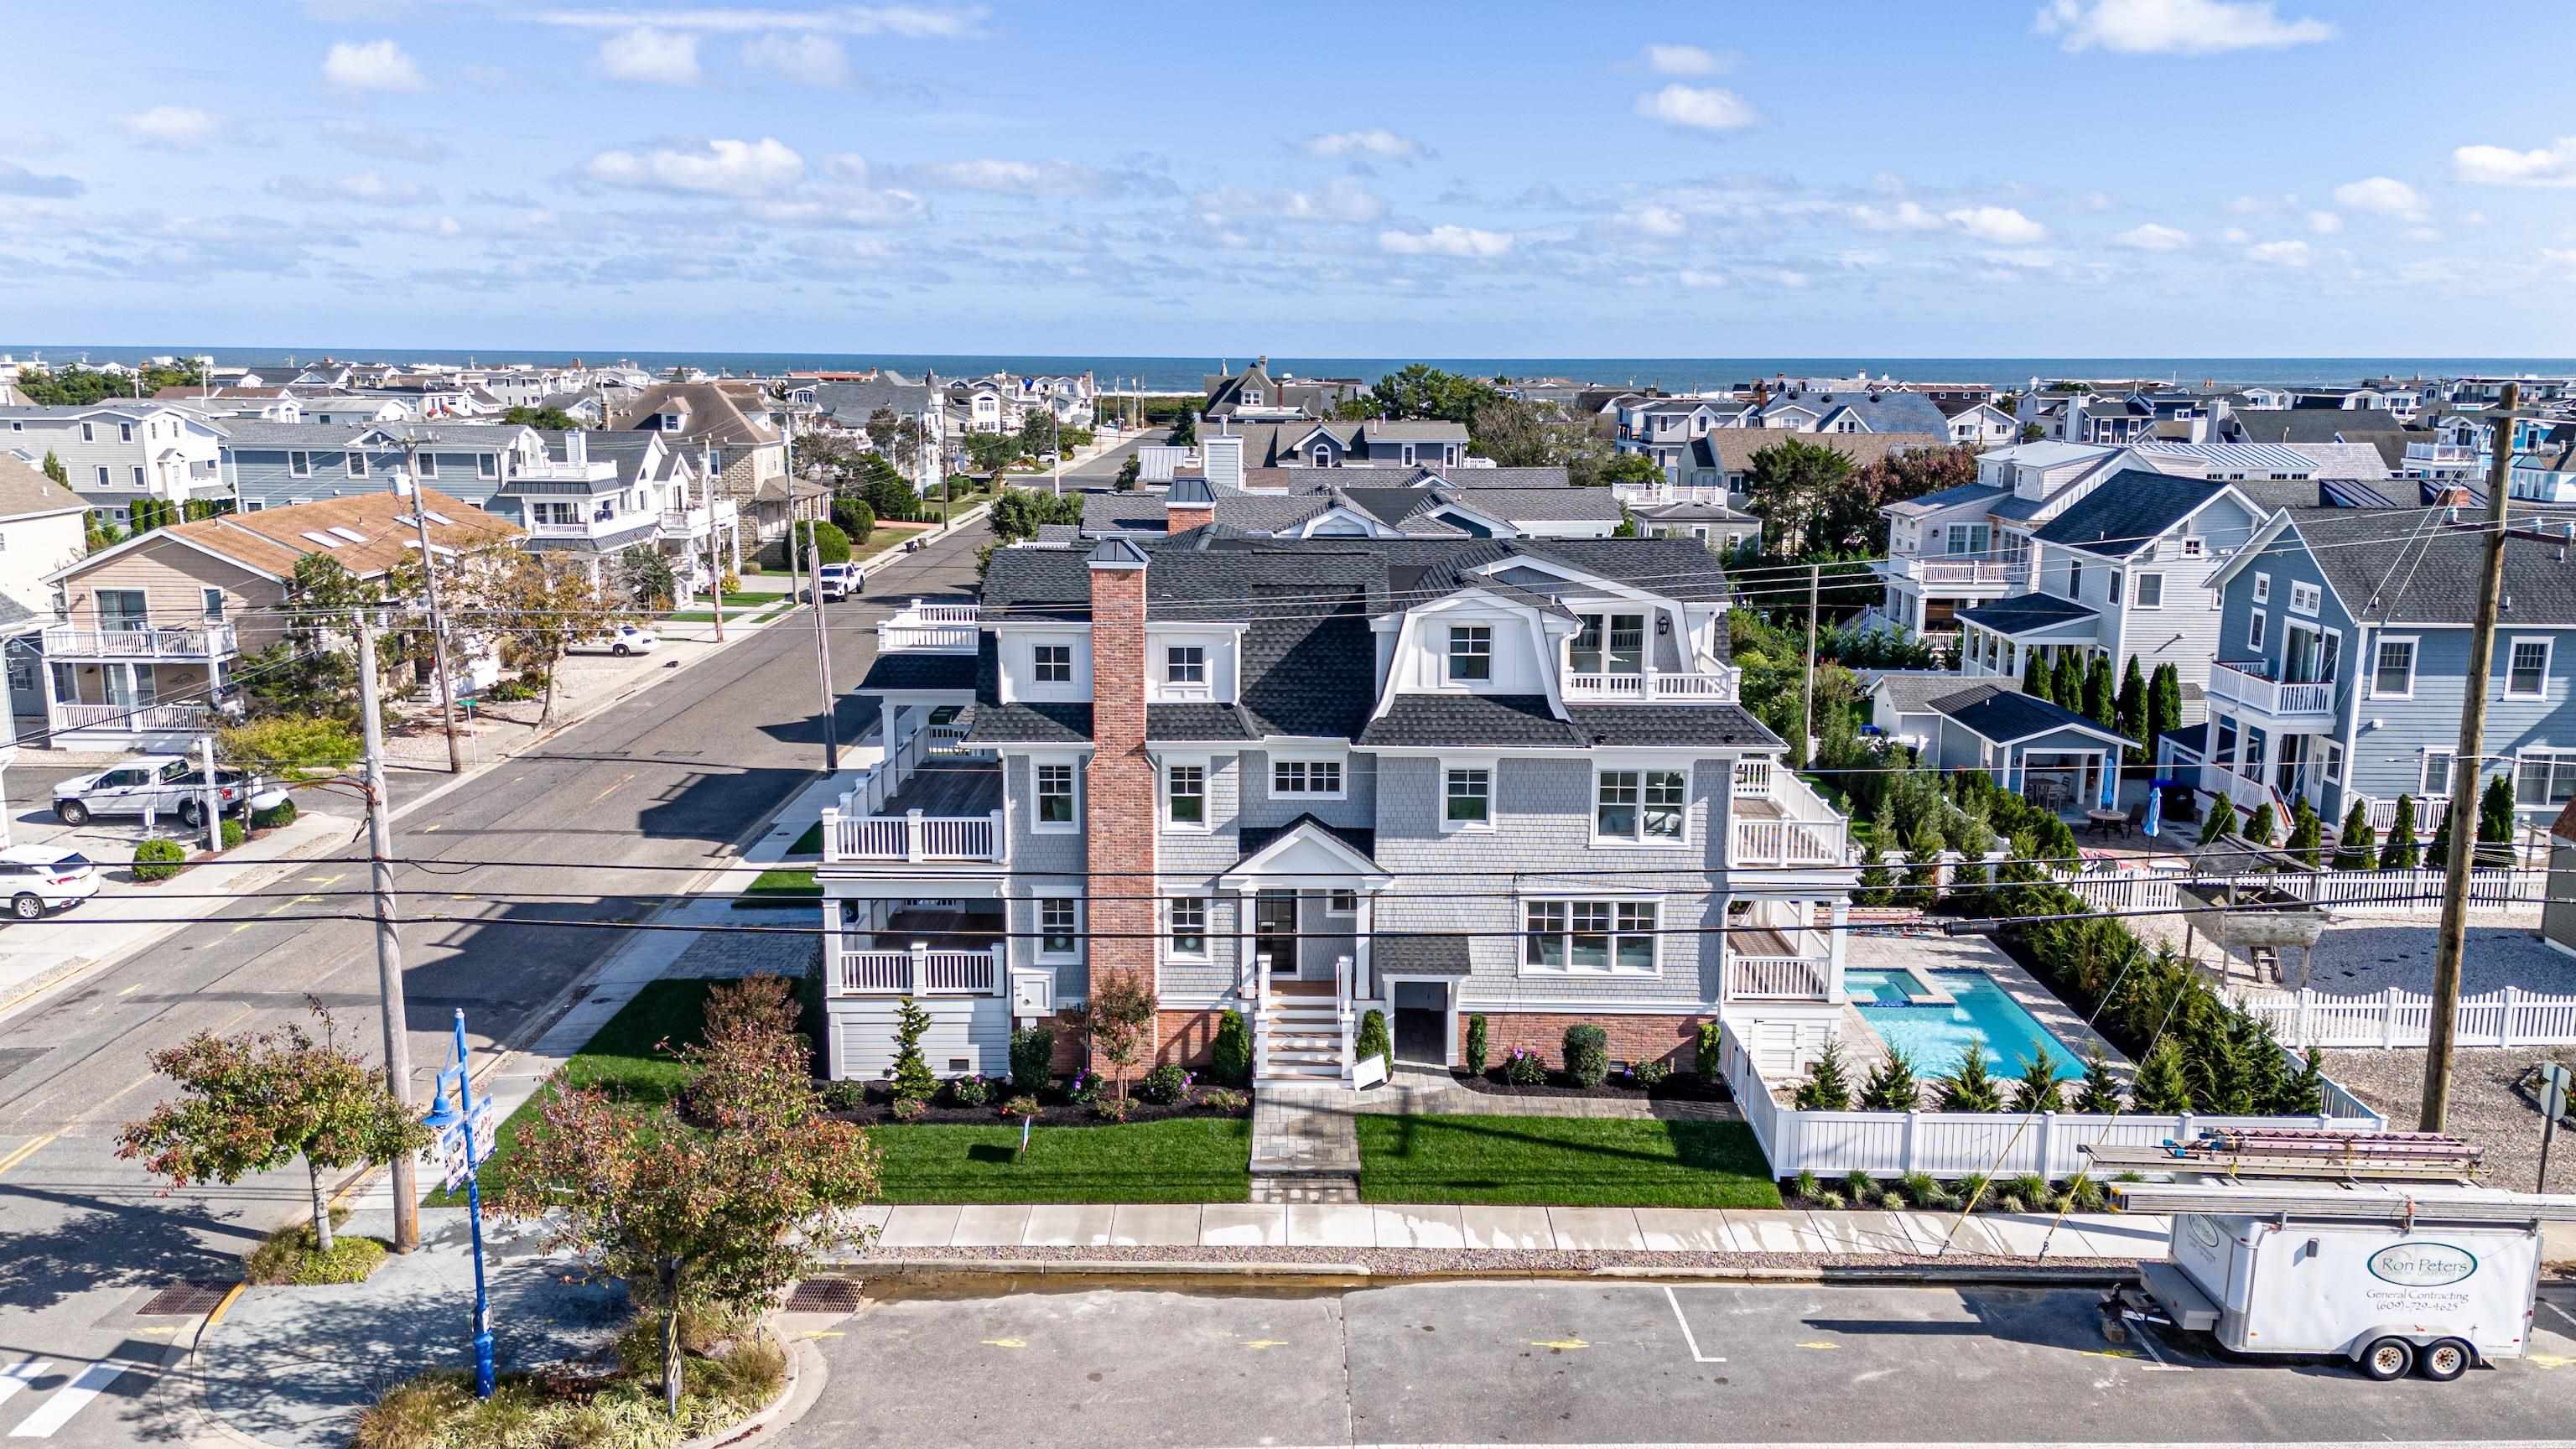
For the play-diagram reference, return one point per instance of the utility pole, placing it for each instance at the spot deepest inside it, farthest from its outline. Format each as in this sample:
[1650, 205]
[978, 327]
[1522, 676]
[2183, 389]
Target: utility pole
[2467, 772]
[1807, 705]
[437, 622]
[822, 653]
[715, 561]
[389, 984]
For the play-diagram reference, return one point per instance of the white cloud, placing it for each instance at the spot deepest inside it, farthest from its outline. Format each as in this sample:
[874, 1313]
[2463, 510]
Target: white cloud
[2384, 195]
[1656, 220]
[377, 65]
[368, 188]
[1906, 216]
[2175, 27]
[1685, 60]
[1341, 199]
[1701, 108]
[2097, 201]
[1373, 142]
[1784, 277]
[651, 57]
[910, 21]
[724, 168]
[2563, 258]
[2151, 237]
[1445, 241]
[2324, 223]
[180, 126]
[807, 59]
[2001, 225]
[1701, 281]
[2279, 253]
[2551, 165]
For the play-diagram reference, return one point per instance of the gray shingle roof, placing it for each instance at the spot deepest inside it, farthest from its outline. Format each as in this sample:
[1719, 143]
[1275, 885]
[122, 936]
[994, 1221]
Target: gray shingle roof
[2405, 566]
[2025, 612]
[1955, 494]
[1718, 725]
[2127, 512]
[2006, 715]
[1407, 953]
[908, 671]
[1912, 691]
[1218, 722]
[1466, 720]
[1251, 840]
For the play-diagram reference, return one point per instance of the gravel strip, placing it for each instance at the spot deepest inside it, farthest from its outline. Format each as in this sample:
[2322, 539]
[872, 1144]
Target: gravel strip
[2485, 1109]
[1404, 1262]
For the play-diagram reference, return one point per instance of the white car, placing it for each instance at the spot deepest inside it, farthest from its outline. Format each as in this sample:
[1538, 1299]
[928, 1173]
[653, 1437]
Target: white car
[625, 639]
[837, 580]
[40, 878]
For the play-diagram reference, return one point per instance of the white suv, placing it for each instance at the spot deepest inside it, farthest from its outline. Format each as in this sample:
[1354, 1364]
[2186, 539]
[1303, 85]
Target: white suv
[837, 580]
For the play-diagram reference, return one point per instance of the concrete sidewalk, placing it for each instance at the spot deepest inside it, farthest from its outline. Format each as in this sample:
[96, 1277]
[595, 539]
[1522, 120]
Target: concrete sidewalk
[2023, 1238]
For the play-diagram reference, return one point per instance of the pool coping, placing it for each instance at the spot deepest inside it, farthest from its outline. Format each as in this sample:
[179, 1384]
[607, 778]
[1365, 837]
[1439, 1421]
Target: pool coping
[1975, 953]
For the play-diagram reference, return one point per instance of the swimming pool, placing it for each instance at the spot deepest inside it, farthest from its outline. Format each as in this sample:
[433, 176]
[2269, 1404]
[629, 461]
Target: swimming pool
[1934, 1036]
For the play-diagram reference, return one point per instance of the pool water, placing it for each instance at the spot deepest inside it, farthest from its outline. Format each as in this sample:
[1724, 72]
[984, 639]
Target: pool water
[1934, 1037]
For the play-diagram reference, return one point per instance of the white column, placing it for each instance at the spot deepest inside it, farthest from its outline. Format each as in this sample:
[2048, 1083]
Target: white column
[1841, 918]
[885, 715]
[1365, 923]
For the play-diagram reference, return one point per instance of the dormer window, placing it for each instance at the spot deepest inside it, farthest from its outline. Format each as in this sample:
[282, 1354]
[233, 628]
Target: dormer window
[670, 422]
[1252, 396]
[1471, 653]
[1323, 456]
[1625, 636]
[1185, 666]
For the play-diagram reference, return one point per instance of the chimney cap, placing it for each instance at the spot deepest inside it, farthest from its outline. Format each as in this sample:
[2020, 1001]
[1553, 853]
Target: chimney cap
[1117, 553]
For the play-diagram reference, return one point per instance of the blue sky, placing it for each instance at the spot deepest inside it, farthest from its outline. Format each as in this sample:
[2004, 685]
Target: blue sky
[2088, 177]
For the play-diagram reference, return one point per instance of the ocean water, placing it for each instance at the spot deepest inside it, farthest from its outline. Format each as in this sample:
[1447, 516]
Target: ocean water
[1184, 374]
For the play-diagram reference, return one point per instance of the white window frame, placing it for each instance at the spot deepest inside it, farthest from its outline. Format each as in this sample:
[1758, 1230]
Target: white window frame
[2414, 657]
[425, 465]
[2306, 598]
[2112, 590]
[1642, 840]
[1305, 767]
[1039, 910]
[1207, 805]
[2192, 545]
[1449, 655]
[1039, 664]
[2256, 636]
[1334, 902]
[2548, 653]
[139, 484]
[356, 461]
[2424, 776]
[299, 464]
[1407, 458]
[2262, 587]
[1172, 949]
[2334, 763]
[1620, 924]
[2550, 798]
[487, 465]
[89, 433]
[1468, 766]
[2139, 591]
[1175, 684]
[1038, 823]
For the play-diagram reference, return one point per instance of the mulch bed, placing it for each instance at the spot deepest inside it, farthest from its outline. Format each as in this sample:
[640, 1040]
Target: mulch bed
[1679, 1087]
[1059, 1111]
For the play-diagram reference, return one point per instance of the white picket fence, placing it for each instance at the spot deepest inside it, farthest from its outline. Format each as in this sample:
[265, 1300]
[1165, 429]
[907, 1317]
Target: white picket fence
[2511, 1017]
[1960, 1144]
[2356, 892]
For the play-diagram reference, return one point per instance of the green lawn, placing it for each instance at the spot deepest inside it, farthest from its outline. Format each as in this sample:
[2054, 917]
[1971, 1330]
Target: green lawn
[809, 843]
[780, 886]
[1562, 1162]
[619, 1058]
[1189, 1159]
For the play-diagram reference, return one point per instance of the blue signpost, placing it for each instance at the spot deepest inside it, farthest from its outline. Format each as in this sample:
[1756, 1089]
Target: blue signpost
[464, 1139]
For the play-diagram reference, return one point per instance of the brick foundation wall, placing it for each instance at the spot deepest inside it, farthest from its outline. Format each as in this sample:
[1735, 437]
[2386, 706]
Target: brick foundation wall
[1119, 803]
[1670, 1039]
[1186, 1037]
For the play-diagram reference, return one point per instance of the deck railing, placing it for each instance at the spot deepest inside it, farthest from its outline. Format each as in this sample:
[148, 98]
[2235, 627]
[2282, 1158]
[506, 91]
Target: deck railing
[1807, 831]
[2245, 684]
[912, 836]
[932, 628]
[920, 972]
[165, 717]
[1722, 685]
[151, 642]
[1778, 978]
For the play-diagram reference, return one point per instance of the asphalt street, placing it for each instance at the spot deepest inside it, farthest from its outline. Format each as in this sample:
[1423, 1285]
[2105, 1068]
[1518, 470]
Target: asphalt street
[1630, 1363]
[670, 778]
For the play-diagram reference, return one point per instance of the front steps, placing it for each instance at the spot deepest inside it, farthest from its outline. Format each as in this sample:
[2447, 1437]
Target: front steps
[1303, 1035]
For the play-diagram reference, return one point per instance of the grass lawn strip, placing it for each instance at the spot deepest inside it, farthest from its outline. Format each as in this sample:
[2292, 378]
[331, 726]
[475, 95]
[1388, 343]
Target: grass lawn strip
[1186, 1159]
[1562, 1162]
[783, 885]
[809, 843]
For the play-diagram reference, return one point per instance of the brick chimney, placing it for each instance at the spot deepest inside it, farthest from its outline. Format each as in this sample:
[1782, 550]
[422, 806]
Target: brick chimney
[1119, 810]
[1189, 504]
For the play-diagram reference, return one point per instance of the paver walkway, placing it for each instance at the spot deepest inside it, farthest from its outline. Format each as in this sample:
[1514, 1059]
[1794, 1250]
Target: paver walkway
[1304, 1148]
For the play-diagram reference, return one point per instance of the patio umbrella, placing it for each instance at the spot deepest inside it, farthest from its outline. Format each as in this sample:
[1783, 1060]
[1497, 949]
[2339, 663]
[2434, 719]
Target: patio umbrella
[2156, 806]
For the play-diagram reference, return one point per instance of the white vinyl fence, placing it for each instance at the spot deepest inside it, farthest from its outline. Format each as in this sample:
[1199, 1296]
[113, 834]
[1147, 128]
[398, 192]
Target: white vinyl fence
[2511, 1017]
[1959, 1144]
[2356, 892]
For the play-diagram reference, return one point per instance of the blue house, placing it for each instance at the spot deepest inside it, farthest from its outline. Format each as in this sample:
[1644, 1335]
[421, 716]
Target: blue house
[2044, 751]
[2342, 666]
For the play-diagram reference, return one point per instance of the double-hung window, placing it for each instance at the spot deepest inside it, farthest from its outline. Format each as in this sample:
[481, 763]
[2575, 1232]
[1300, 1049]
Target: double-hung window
[1648, 806]
[1055, 797]
[2393, 676]
[214, 605]
[2149, 592]
[1059, 926]
[2074, 579]
[2527, 669]
[2262, 588]
[1185, 796]
[2437, 773]
[2544, 779]
[1968, 539]
[357, 464]
[1468, 799]
[1589, 937]
[2305, 598]
[1471, 652]
[1052, 664]
[426, 464]
[487, 465]
[2254, 631]
[1189, 926]
[1185, 667]
[299, 465]
[1305, 777]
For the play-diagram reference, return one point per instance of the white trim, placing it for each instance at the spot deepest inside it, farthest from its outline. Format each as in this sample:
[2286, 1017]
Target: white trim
[1615, 901]
[1163, 796]
[1038, 824]
[2315, 596]
[1309, 760]
[1641, 769]
[1448, 655]
[2548, 655]
[2262, 586]
[2425, 788]
[2414, 657]
[1038, 916]
[1206, 932]
[2137, 587]
[1486, 765]
[2257, 636]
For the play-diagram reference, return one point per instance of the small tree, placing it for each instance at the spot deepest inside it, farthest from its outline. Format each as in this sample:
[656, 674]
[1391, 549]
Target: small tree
[2066, 682]
[1120, 1018]
[2129, 708]
[55, 470]
[854, 518]
[2356, 845]
[2307, 1090]
[754, 1064]
[1128, 474]
[2401, 852]
[2495, 823]
[2099, 1093]
[1891, 1086]
[1185, 428]
[1477, 1047]
[2307, 835]
[2035, 678]
[1032, 1059]
[1230, 1054]
[1828, 1084]
[2035, 1090]
[536, 606]
[1923, 865]
[1876, 884]
[2163, 1087]
[1972, 1087]
[258, 1101]
[2220, 824]
[2164, 703]
[913, 1080]
[648, 579]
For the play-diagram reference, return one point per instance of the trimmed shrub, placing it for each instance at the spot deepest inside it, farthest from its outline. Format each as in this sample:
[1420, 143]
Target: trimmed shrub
[280, 814]
[1023, 1106]
[1972, 1087]
[1587, 1054]
[971, 1091]
[1227, 1100]
[1891, 1086]
[158, 859]
[1524, 1069]
[912, 1079]
[2036, 1089]
[1230, 1058]
[1647, 1076]
[1164, 1085]
[1373, 1040]
[1827, 1087]
[232, 833]
[1032, 1059]
[828, 545]
[844, 1096]
[908, 1109]
[854, 519]
[1112, 1109]
[1476, 1045]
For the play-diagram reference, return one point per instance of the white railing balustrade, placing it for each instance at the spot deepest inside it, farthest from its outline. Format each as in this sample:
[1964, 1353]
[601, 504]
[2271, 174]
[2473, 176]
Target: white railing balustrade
[132, 717]
[920, 972]
[911, 836]
[936, 628]
[1753, 776]
[1938, 570]
[2246, 684]
[1723, 685]
[1777, 978]
[1807, 831]
[148, 642]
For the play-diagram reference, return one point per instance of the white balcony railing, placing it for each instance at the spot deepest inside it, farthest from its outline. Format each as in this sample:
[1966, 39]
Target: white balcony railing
[919, 972]
[1721, 685]
[149, 717]
[930, 628]
[1949, 571]
[1778, 978]
[2244, 684]
[201, 642]
[615, 523]
[1657, 494]
[695, 522]
[911, 837]
[1778, 821]
[2443, 454]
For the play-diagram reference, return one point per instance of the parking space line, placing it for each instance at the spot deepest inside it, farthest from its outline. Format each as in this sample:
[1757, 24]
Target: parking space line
[1688, 1337]
[2545, 1303]
[69, 1400]
[2146, 1339]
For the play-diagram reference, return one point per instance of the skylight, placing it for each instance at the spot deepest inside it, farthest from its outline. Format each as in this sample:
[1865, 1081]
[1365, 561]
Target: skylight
[351, 534]
[441, 519]
[324, 539]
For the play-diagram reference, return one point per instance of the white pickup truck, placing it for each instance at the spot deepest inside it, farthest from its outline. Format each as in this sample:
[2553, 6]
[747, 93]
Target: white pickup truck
[163, 784]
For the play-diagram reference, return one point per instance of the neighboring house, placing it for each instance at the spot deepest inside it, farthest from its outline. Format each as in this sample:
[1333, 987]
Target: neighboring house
[2343, 656]
[1979, 424]
[146, 632]
[1724, 530]
[1829, 411]
[1717, 464]
[597, 495]
[2029, 746]
[1663, 428]
[2383, 432]
[1328, 508]
[1254, 394]
[272, 465]
[1274, 734]
[743, 451]
[43, 526]
[1900, 702]
[119, 453]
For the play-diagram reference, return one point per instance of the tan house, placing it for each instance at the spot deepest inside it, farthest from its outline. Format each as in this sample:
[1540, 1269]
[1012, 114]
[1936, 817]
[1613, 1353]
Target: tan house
[144, 633]
[42, 528]
[738, 444]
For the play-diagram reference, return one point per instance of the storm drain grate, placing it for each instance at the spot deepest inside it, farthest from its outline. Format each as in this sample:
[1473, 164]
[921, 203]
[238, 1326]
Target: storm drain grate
[824, 1295]
[185, 1300]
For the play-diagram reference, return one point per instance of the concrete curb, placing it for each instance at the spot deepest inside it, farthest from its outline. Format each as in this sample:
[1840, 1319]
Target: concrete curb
[1109, 1271]
[807, 1377]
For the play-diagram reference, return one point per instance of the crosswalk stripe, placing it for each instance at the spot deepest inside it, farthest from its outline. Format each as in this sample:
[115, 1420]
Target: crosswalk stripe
[68, 1400]
[18, 1375]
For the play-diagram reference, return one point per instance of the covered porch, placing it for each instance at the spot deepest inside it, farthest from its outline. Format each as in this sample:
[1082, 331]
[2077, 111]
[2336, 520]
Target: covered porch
[1997, 640]
[1306, 897]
